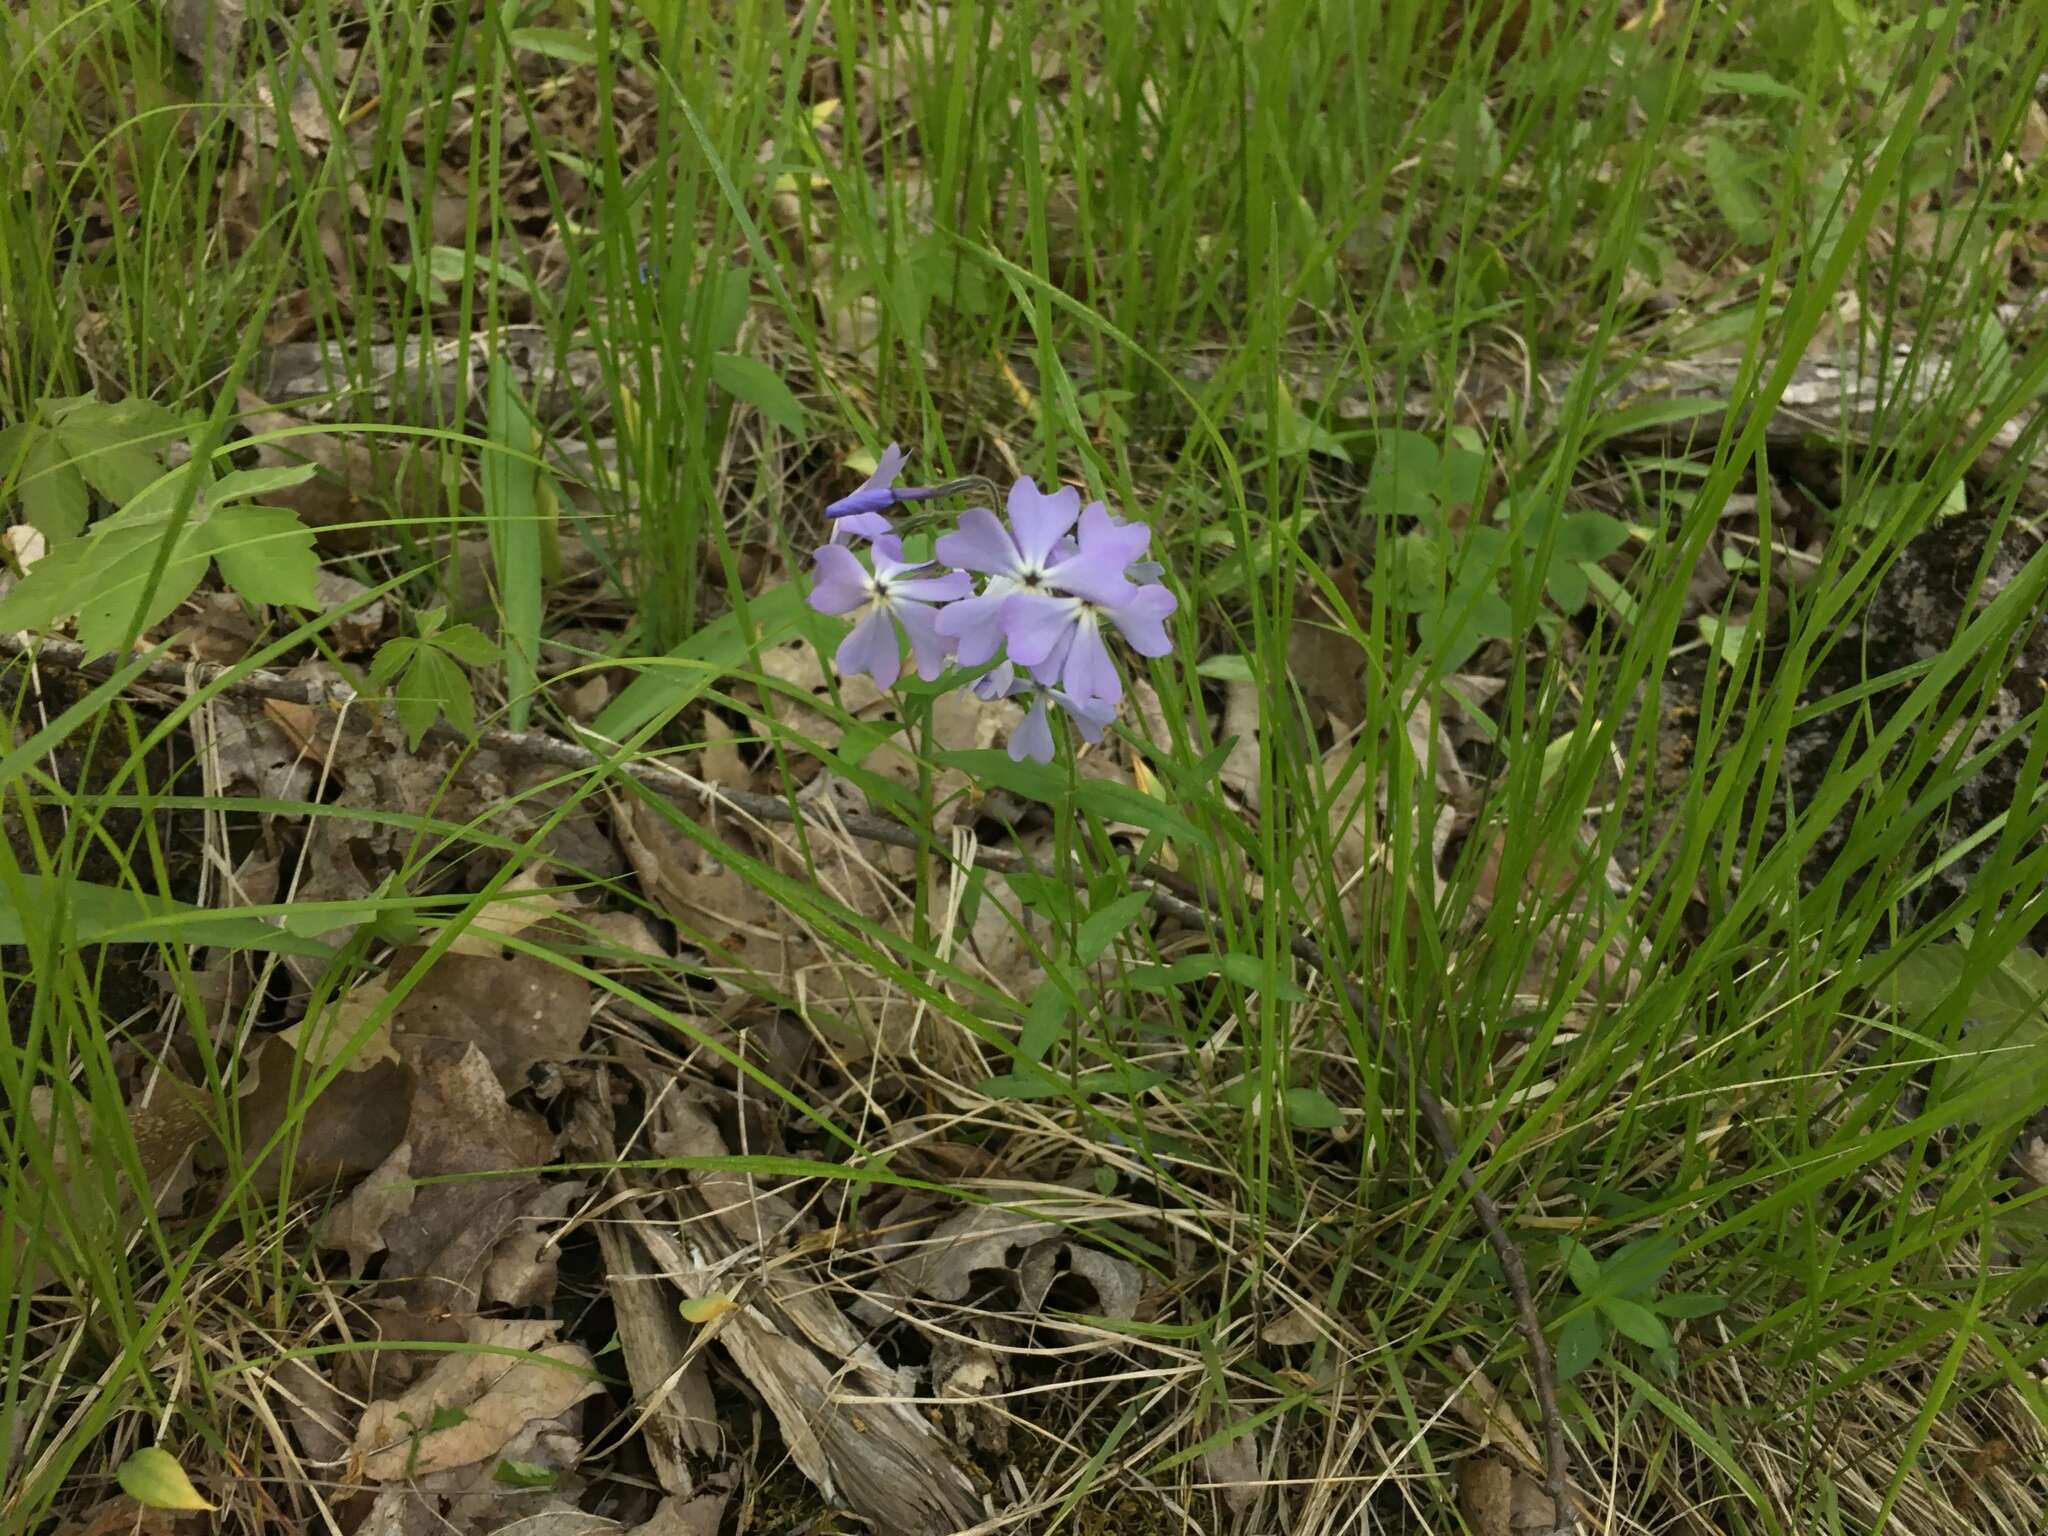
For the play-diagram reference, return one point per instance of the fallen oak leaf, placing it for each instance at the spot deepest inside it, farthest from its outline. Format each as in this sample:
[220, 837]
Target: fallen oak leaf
[473, 1403]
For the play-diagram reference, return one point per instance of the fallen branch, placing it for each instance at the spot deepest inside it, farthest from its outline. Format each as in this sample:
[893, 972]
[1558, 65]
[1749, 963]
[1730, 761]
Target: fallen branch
[1835, 394]
[1167, 894]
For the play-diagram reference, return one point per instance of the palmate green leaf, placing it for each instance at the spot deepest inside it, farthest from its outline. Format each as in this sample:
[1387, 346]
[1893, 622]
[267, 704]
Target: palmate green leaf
[1099, 929]
[1634, 1268]
[1407, 473]
[1687, 1304]
[115, 580]
[1043, 1020]
[1567, 585]
[1583, 1267]
[1730, 180]
[417, 701]
[391, 658]
[1312, 1110]
[104, 577]
[1588, 537]
[468, 645]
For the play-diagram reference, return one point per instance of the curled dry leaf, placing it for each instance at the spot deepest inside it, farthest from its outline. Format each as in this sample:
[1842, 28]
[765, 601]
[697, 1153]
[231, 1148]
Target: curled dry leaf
[356, 630]
[987, 1239]
[355, 1224]
[1115, 1282]
[524, 1270]
[1292, 1327]
[318, 1410]
[497, 1396]
[965, 1377]
[1486, 1494]
[1233, 1466]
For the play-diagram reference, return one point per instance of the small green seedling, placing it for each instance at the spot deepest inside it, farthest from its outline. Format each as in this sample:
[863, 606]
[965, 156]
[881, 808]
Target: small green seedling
[1450, 577]
[429, 674]
[1618, 1296]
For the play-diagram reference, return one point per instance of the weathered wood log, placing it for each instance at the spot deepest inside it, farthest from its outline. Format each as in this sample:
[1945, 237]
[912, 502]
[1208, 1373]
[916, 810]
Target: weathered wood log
[1869, 398]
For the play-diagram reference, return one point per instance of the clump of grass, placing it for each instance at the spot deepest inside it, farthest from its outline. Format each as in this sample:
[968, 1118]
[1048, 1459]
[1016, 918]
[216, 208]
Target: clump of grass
[1099, 243]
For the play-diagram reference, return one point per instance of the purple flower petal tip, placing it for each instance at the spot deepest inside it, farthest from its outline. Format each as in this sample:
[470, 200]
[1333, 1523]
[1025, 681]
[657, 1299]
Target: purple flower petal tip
[877, 493]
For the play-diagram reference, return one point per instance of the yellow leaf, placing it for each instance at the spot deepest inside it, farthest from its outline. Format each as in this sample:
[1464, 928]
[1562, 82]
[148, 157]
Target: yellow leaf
[153, 1479]
[707, 1309]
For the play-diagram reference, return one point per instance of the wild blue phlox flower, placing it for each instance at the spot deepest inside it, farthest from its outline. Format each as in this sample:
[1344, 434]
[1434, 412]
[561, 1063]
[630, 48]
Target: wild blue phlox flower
[1052, 581]
[1055, 630]
[1032, 739]
[889, 598]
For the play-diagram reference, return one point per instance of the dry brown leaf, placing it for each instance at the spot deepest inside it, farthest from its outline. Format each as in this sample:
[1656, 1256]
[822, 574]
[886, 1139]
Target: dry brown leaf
[701, 1515]
[709, 901]
[1326, 663]
[1005, 931]
[1234, 1467]
[858, 875]
[498, 1397]
[324, 1039]
[523, 902]
[1486, 1495]
[966, 1377]
[985, 1238]
[1240, 770]
[627, 931]
[461, 1124]
[524, 1270]
[318, 1410]
[719, 762]
[1293, 1327]
[1115, 1282]
[220, 629]
[122, 1516]
[518, 1009]
[355, 1224]
[357, 630]
[346, 1131]
[2030, 145]
[254, 756]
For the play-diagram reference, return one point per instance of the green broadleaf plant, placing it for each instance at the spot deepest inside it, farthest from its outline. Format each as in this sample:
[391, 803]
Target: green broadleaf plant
[102, 577]
[73, 446]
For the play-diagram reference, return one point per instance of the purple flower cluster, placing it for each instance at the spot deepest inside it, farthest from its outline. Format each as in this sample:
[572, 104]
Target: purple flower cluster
[1036, 596]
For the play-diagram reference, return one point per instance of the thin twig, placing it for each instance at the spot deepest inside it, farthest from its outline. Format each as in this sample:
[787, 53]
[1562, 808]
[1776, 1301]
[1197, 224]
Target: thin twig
[1167, 893]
